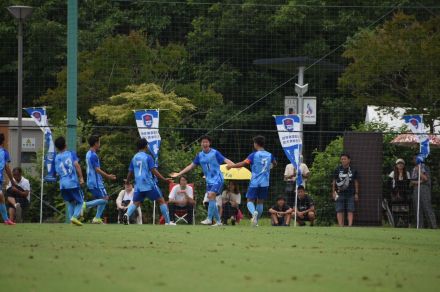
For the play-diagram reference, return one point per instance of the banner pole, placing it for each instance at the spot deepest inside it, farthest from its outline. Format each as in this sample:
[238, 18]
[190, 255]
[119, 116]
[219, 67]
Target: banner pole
[418, 196]
[296, 204]
[42, 180]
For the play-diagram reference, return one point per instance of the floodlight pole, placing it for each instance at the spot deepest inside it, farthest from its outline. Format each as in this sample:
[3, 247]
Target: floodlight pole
[20, 13]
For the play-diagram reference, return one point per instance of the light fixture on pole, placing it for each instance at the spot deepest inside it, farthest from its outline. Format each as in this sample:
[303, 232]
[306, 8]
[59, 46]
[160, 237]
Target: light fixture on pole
[20, 13]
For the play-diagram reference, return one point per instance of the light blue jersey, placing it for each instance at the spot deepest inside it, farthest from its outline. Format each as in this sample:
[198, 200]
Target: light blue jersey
[210, 163]
[94, 179]
[65, 168]
[141, 165]
[260, 162]
[4, 159]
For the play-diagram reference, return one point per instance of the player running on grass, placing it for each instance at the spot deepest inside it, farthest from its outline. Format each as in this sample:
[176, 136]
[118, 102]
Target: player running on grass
[95, 181]
[261, 162]
[142, 168]
[209, 159]
[71, 179]
[4, 166]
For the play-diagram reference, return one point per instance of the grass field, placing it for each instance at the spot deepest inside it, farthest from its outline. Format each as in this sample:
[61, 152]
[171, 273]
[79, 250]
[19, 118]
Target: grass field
[60, 257]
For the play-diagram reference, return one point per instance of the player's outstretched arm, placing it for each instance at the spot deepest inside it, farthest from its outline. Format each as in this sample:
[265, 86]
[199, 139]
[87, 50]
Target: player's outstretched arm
[79, 172]
[9, 174]
[237, 165]
[183, 171]
[105, 174]
[159, 175]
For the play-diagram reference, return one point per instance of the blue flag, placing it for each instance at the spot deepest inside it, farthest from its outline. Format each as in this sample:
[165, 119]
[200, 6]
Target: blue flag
[39, 115]
[147, 122]
[289, 133]
[415, 124]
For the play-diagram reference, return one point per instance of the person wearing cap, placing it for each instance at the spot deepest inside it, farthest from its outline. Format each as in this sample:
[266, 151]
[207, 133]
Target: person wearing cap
[399, 181]
[125, 199]
[425, 208]
[280, 213]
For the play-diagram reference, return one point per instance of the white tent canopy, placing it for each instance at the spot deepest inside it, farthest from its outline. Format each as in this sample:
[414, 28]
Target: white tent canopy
[392, 117]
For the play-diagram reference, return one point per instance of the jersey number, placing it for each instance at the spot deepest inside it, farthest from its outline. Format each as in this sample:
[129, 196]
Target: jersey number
[139, 164]
[66, 166]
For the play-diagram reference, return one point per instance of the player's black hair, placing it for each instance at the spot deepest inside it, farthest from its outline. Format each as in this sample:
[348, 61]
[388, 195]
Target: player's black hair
[93, 140]
[345, 154]
[60, 143]
[18, 169]
[2, 138]
[301, 188]
[206, 137]
[281, 198]
[141, 143]
[183, 176]
[259, 140]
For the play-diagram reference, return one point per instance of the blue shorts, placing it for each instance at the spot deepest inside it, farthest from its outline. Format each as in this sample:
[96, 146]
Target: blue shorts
[75, 194]
[98, 193]
[345, 203]
[260, 193]
[152, 194]
[215, 188]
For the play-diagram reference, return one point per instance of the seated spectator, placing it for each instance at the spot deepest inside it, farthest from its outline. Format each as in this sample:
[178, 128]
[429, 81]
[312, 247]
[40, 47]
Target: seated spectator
[280, 213]
[231, 200]
[305, 208]
[181, 198]
[18, 197]
[125, 199]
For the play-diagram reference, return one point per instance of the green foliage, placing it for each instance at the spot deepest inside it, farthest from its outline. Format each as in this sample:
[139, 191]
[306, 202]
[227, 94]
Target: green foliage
[319, 184]
[387, 61]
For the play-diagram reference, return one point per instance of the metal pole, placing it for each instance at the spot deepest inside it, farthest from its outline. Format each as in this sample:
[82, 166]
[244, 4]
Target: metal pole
[72, 71]
[418, 196]
[301, 100]
[20, 90]
[42, 182]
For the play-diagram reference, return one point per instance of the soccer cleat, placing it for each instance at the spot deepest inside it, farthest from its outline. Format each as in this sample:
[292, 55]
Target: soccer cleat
[75, 221]
[125, 219]
[217, 224]
[97, 221]
[206, 222]
[254, 219]
[9, 222]
[170, 224]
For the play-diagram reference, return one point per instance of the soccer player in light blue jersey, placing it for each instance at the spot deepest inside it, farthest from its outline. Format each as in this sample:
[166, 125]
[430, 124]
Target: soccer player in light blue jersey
[144, 171]
[71, 179]
[261, 163]
[4, 166]
[210, 160]
[95, 182]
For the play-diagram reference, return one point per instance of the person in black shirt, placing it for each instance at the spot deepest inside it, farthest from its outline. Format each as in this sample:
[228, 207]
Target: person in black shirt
[305, 208]
[280, 213]
[345, 189]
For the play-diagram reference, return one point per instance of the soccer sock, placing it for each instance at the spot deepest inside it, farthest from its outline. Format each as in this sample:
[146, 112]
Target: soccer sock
[211, 209]
[100, 209]
[97, 202]
[3, 211]
[70, 208]
[77, 210]
[260, 210]
[216, 213]
[251, 207]
[165, 213]
[131, 210]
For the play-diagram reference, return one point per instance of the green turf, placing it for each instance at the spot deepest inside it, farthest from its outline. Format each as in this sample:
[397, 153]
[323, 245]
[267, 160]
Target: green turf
[59, 257]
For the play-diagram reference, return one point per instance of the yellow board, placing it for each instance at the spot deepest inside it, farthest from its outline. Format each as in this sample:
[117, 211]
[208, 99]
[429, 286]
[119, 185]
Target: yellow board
[235, 173]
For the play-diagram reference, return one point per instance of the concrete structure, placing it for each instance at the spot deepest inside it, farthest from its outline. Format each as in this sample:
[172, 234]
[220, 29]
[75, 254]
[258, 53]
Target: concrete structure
[32, 142]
